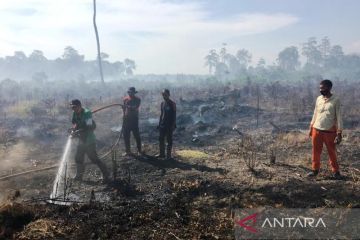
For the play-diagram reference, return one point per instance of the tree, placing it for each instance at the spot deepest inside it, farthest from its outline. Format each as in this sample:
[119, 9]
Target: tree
[336, 56]
[72, 55]
[9, 89]
[273, 90]
[70, 64]
[311, 52]
[261, 63]
[221, 70]
[232, 62]
[336, 51]
[288, 59]
[325, 47]
[16, 65]
[104, 56]
[37, 62]
[129, 66]
[244, 57]
[98, 44]
[211, 60]
[223, 53]
[37, 56]
[19, 57]
[120, 67]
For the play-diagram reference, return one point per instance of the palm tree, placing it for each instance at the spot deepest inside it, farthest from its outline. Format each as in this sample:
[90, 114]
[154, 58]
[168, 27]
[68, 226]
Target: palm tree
[211, 60]
[244, 57]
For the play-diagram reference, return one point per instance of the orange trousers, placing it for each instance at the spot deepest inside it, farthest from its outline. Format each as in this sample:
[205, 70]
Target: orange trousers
[319, 138]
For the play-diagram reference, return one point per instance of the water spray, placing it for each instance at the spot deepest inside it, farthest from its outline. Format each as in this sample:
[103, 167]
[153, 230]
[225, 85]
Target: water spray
[60, 183]
[13, 175]
[60, 188]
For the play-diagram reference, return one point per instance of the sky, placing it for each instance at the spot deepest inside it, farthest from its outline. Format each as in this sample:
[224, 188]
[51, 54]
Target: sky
[174, 36]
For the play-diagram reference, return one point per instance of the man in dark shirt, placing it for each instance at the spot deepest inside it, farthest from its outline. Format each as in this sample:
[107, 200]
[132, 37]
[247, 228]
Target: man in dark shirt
[83, 128]
[167, 124]
[131, 120]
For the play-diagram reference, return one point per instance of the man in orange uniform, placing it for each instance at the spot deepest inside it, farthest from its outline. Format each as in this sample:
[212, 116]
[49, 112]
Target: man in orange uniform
[326, 128]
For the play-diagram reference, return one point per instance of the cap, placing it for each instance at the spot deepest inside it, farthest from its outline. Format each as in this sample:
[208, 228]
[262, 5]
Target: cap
[75, 102]
[166, 91]
[132, 90]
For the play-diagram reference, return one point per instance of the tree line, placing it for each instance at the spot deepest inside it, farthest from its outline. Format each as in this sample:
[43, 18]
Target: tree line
[321, 58]
[71, 66]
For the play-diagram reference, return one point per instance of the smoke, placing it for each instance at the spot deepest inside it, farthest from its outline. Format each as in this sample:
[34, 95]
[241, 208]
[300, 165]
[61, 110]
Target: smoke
[14, 157]
[24, 132]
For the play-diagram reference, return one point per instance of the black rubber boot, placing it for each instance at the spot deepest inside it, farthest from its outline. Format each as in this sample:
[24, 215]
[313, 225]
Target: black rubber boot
[104, 172]
[162, 150]
[79, 172]
[168, 152]
[336, 176]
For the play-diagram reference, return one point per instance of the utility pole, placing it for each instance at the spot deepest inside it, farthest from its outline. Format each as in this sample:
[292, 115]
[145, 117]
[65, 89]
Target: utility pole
[98, 44]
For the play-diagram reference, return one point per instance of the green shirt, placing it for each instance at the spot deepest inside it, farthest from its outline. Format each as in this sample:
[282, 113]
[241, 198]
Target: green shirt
[86, 124]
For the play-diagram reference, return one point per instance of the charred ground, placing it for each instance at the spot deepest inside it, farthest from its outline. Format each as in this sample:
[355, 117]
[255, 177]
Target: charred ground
[234, 147]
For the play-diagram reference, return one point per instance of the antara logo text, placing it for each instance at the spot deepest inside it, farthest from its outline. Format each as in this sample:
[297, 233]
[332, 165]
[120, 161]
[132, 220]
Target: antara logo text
[287, 222]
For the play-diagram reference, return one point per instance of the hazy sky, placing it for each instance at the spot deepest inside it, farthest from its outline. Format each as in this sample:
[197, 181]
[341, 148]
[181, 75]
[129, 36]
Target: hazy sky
[173, 36]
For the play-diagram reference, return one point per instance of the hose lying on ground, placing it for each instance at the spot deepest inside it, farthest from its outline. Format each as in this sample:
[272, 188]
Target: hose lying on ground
[27, 172]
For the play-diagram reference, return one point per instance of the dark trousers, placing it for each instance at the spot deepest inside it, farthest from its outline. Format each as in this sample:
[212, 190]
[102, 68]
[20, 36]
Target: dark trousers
[90, 151]
[168, 134]
[127, 129]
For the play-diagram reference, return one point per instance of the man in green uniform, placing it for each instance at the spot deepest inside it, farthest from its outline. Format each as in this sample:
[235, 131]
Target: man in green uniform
[83, 128]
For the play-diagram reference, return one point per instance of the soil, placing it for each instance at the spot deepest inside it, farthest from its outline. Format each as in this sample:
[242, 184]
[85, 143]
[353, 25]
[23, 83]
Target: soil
[222, 162]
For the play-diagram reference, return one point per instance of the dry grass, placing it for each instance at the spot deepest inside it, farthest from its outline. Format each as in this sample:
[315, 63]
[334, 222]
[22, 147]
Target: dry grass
[42, 229]
[21, 109]
[293, 139]
[4, 136]
[192, 154]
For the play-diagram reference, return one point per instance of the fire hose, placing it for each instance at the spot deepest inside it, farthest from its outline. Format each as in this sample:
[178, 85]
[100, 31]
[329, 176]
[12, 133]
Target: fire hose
[108, 106]
[55, 166]
[119, 136]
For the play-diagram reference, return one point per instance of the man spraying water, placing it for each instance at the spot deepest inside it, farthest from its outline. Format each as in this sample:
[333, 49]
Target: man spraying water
[83, 128]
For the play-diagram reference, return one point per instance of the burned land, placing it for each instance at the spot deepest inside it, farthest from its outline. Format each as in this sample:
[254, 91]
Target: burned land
[234, 147]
